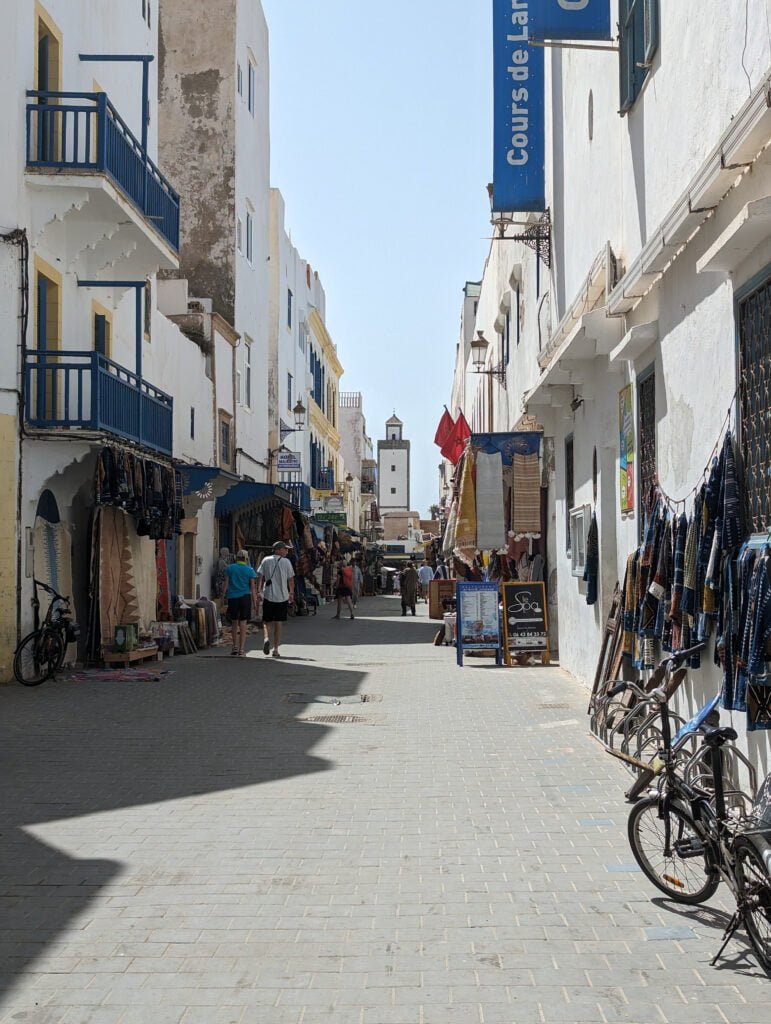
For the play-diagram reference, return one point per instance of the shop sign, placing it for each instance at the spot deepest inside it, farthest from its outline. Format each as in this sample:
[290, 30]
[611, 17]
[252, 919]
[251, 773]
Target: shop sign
[479, 627]
[334, 503]
[336, 518]
[288, 462]
[570, 19]
[525, 619]
[626, 448]
[519, 182]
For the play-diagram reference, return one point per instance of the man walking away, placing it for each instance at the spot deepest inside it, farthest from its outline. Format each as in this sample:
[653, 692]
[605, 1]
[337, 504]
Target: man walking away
[426, 574]
[344, 589]
[276, 580]
[409, 588]
[239, 591]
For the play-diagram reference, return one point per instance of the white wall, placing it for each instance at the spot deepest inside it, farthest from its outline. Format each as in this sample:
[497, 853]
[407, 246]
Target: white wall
[252, 191]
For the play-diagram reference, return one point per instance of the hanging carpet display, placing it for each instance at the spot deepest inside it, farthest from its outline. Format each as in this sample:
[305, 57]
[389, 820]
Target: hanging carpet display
[491, 530]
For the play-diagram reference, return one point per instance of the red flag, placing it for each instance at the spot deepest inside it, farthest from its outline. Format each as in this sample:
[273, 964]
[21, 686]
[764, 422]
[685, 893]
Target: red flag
[452, 448]
[444, 429]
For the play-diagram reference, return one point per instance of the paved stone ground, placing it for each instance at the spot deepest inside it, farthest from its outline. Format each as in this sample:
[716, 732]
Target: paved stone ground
[202, 850]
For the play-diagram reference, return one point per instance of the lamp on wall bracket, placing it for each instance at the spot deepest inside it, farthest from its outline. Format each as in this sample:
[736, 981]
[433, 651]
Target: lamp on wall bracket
[479, 348]
[299, 424]
[536, 236]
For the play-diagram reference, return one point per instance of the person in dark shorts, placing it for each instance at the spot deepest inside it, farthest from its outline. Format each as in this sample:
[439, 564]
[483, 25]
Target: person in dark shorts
[276, 582]
[344, 589]
[240, 595]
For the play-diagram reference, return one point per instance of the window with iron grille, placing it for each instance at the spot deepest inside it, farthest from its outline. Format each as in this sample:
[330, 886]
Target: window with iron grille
[646, 436]
[754, 319]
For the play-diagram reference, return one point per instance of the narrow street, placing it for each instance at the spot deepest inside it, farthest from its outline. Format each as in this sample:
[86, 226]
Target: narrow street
[207, 849]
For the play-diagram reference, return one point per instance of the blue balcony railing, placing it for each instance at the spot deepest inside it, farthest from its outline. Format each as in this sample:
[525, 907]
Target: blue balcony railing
[82, 131]
[324, 480]
[300, 494]
[86, 390]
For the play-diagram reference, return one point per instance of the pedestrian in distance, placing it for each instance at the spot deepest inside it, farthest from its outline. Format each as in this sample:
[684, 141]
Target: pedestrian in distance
[240, 594]
[442, 572]
[409, 588]
[425, 574]
[276, 583]
[344, 589]
[358, 581]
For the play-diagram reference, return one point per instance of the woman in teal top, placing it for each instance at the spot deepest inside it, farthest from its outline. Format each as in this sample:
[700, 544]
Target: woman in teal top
[240, 594]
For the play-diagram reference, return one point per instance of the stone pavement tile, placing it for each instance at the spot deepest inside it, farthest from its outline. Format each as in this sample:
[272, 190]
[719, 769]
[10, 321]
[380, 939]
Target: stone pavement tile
[571, 1013]
[93, 1015]
[460, 1013]
[33, 1015]
[512, 1013]
[152, 1014]
[313, 1015]
[638, 1013]
[393, 979]
[211, 1015]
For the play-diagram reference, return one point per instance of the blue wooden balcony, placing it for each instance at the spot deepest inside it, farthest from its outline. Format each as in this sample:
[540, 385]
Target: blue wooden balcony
[324, 480]
[82, 131]
[67, 390]
[300, 494]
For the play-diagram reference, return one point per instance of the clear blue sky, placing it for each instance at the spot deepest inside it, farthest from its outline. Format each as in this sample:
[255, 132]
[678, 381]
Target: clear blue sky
[381, 143]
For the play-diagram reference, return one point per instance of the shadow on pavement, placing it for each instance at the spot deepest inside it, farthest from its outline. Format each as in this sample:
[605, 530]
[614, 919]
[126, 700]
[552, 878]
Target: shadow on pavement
[76, 748]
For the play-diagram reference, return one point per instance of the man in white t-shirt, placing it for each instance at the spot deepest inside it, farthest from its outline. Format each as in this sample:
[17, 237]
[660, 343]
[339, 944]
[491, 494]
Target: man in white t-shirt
[425, 575]
[275, 579]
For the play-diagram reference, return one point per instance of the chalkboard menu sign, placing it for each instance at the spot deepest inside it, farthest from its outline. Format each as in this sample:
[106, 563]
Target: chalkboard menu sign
[478, 620]
[525, 620]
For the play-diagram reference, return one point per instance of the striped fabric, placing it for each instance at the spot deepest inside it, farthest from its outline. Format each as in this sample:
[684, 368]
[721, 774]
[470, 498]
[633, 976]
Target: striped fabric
[678, 564]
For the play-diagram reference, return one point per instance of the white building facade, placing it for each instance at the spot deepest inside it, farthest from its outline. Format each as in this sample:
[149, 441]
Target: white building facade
[647, 281]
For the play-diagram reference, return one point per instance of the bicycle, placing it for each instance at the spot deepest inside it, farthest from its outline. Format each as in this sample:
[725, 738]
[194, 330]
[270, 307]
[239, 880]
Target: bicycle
[41, 653]
[631, 732]
[686, 842]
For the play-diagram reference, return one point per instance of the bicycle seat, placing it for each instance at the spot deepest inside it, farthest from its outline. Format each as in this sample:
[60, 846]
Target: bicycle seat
[717, 737]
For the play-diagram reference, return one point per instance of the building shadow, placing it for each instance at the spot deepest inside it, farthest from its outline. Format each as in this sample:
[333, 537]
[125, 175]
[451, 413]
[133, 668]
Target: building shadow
[73, 748]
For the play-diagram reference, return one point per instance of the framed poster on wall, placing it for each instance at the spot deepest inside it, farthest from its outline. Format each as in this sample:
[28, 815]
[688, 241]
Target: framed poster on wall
[626, 448]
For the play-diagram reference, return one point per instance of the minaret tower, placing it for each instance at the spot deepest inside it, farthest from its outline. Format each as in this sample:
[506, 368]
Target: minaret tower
[393, 461]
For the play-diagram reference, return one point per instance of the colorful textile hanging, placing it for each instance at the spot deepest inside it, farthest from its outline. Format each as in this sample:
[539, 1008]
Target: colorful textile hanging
[466, 529]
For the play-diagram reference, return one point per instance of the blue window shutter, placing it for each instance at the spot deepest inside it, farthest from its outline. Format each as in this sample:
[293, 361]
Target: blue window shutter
[651, 19]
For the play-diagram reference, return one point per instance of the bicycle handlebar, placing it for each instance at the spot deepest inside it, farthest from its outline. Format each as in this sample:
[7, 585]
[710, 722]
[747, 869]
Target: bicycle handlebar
[676, 658]
[51, 591]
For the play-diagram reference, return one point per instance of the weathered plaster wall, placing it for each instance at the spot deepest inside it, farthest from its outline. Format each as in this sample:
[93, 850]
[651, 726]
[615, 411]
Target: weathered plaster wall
[196, 92]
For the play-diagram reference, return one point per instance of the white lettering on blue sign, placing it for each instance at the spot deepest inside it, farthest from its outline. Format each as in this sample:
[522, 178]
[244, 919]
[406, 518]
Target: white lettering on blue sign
[573, 5]
[517, 156]
[518, 163]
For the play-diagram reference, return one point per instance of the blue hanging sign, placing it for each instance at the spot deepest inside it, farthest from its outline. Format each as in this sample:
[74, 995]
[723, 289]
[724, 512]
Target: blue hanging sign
[519, 182]
[570, 19]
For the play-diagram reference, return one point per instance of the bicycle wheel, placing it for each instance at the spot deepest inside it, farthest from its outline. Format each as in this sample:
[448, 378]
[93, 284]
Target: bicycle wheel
[37, 657]
[755, 900]
[683, 878]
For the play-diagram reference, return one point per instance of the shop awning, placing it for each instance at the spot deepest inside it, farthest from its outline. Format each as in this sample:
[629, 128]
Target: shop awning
[246, 493]
[203, 483]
